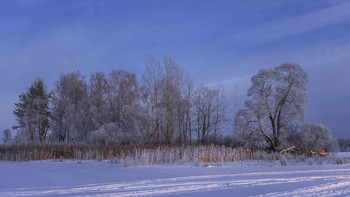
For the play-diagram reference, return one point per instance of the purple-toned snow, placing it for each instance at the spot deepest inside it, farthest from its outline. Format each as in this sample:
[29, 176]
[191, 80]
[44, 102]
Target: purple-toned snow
[92, 178]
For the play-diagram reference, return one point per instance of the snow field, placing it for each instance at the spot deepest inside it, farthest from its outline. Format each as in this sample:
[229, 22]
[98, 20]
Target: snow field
[91, 178]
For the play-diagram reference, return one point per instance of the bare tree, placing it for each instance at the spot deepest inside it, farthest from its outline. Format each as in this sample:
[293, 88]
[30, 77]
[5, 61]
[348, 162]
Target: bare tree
[221, 109]
[163, 84]
[172, 98]
[210, 112]
[152, 83]
[188, 100]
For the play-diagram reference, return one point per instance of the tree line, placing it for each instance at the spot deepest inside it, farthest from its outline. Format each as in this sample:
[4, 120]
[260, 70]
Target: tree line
[115, 108]
[166, 107]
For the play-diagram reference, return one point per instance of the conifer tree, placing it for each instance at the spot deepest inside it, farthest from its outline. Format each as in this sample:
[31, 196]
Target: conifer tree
[32, 112]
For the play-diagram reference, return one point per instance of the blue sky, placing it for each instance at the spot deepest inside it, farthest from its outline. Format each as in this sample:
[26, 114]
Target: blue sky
[212, 40]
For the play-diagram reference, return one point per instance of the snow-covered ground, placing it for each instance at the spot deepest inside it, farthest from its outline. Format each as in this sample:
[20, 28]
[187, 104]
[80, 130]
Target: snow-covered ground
[343, 154]
[92, 178]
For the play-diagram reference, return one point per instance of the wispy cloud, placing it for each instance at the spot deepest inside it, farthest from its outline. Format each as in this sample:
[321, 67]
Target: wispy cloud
[296, 25]
[229, 81]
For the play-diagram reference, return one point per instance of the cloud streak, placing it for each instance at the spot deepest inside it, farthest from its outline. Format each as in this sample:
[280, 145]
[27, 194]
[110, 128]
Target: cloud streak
[297, 25]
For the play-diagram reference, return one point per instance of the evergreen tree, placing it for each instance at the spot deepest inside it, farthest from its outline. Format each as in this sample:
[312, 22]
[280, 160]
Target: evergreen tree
[32, 112]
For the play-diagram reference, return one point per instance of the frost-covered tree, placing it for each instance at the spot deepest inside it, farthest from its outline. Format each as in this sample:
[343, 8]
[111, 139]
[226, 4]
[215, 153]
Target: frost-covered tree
[6, 136]
[123, 103]
[98, 99]
[316, 137]
[122, 91]
[276, 101]
[115, 108]
[33, 113]
[246, 130]
[71, 121]
[107, 110]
